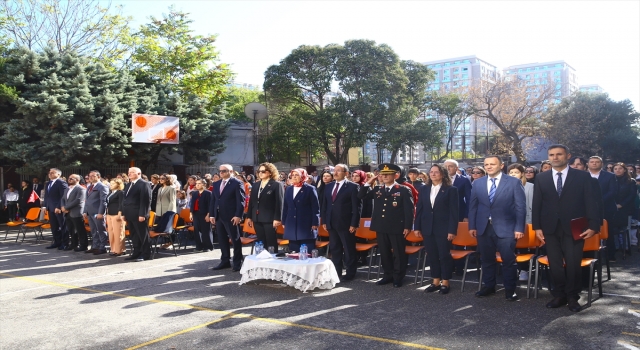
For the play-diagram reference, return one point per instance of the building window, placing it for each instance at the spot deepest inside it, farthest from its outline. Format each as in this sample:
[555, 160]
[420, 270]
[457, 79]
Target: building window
[456, 70]
[465, 69]
[465, 83]
[446, 71]
[520, 70]
[556, 72]
[465, 76]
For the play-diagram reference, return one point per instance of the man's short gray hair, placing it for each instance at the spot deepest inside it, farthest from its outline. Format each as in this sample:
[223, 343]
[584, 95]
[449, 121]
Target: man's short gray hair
[228, 166]
[455, 162]
[343, 166]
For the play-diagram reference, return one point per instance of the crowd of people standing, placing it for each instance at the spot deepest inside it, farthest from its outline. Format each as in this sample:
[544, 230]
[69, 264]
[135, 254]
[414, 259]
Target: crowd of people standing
[496, 201]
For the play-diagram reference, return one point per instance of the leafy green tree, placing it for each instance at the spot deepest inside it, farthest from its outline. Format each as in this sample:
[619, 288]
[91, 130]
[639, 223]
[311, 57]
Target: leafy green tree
[69, 112]
[90, 28]
[594, 124]
[170, 54]
[374, 93]
[238, 98]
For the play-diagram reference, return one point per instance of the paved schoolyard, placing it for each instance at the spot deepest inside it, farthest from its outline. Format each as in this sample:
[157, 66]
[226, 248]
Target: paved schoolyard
[53, 299]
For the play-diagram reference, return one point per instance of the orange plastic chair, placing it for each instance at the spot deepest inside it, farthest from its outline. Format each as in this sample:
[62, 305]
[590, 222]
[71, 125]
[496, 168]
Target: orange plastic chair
[155, 236]
[590, 245]
[17, 224]
[604, 235]
[528, 241]
[412, 249]
[185, 215]
[31, 222]
[322, 232]
[365, 233]
[282, 241]
[463, 238]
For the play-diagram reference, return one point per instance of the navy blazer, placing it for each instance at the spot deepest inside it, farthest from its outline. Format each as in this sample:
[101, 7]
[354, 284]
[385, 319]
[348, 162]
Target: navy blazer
[344, 212]
[609, 189]
[229, 203]
[53, 195]
[464, 194]
[508, 211]
[203, 205]
[299, 214]
[442, 218]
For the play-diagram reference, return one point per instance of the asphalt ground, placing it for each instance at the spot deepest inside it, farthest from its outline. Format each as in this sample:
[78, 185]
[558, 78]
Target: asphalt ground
[51, 299]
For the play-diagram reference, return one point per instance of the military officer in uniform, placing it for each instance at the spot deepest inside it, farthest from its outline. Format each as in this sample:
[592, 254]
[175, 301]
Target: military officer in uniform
[392, 221]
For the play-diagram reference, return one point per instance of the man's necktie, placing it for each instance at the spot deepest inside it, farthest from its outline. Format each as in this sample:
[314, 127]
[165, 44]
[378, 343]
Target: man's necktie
[35, 187]
[90, 189]
[388, 189]
[49, 187]
[559, 184]
[224, 183]
[128, 189]
[492, 190]
[335, 192]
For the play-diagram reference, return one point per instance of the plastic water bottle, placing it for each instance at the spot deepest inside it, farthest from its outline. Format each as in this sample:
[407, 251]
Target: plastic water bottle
[303, 252]
[259, 247]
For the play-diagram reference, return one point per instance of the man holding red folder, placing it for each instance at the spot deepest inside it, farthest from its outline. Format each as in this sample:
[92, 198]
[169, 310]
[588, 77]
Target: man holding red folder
[559, 196]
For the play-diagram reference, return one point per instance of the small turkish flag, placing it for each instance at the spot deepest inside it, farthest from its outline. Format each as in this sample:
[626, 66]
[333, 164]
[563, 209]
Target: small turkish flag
[33, 197]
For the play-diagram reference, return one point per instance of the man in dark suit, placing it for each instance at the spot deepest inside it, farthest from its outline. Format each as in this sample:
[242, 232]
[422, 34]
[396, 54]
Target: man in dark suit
[340, 215]
[463, 185]
[136, 207]
[497, 213]
[392, 221]
[608, 190]
[72, 205]
[95, 209]
[559, 196]
[199, 207]
[54, 190]
[225, 211]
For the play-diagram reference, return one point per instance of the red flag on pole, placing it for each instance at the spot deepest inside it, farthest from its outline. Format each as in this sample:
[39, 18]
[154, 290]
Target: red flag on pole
[33, 197]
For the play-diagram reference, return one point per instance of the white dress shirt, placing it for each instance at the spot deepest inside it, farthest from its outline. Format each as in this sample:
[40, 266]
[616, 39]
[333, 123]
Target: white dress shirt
[564, 173]
[70, 189]
[489, 182]
[434, 193]
[595, 176]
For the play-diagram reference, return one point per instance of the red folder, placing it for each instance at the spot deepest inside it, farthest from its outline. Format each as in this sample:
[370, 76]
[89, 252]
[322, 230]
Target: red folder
[578, 226]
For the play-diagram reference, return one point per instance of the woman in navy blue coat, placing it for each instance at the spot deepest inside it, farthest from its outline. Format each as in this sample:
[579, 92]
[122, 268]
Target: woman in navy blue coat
[300, 212]
[437, 222]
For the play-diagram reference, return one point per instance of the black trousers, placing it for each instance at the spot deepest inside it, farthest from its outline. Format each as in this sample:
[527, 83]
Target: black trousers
[266, 233]
[394, 263]
[342, 246]
[57, 226]
[75, 229]
[12, 210]
[225, 231]
[139, 233]
[438, 250]
[567, 280]
[203, 232]
[488, 244]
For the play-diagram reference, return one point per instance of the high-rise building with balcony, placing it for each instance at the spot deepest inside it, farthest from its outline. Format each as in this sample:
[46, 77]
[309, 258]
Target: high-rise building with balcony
[593, 88]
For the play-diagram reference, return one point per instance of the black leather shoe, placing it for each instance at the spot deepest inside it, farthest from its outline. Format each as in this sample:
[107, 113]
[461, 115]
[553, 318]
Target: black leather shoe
[347, 278]
[574, 306]
[53, 246]
[432, 288]
[384, 281]
[221, 266]
[131, 257]
[397, 284]
[235, 269]
[80, 249]
[511, 295]
[485, 291]
[557, 302]
[100, 251]
[62, 247]
[69, 248]
[444, 290]
[90, 251]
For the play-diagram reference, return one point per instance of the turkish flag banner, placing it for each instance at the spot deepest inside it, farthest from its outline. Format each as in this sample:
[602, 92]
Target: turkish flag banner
[33, 197]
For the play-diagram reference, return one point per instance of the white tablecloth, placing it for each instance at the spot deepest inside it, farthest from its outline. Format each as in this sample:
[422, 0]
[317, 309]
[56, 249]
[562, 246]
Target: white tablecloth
[300, 274]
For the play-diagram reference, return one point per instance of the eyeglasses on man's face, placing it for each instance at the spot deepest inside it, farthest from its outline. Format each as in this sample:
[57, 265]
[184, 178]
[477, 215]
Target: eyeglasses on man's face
[222, 171]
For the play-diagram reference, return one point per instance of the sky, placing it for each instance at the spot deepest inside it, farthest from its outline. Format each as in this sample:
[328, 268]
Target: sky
[600, 39]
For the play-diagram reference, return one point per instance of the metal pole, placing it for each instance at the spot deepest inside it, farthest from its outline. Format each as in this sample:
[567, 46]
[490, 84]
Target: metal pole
[255, 141]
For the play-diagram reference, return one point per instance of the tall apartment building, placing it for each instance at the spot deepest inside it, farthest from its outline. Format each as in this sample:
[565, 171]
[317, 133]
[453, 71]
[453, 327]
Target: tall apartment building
[559, 73]
[592, 88]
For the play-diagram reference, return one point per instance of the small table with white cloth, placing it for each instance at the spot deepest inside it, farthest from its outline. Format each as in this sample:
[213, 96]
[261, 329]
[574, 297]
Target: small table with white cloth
[301, 274]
